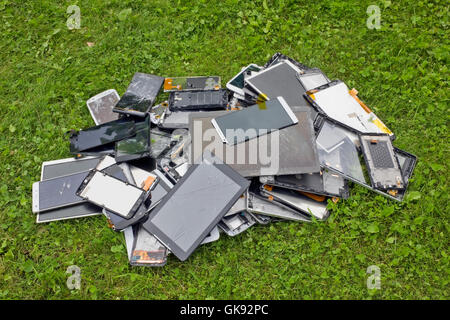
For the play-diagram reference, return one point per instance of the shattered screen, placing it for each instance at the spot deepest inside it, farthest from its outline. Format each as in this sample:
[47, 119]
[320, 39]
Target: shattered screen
[140, 94]
[101, 107]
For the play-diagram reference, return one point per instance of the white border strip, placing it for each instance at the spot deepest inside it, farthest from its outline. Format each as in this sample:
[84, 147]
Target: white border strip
[287, 109]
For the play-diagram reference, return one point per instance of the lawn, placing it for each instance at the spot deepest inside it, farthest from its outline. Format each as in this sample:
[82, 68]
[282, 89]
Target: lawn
[400, 70]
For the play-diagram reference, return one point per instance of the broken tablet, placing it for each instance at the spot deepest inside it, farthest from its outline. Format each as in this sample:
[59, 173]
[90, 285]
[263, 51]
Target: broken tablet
[57, 168]
[159, 142]
[63, 167]
[128, 235]
[290, 150]
[140, 94]
[279, 80]
[254, 121]
[161, 185]
[195, 205]
[124, 173]
[236, 84]
[111, 193]
[191, 83]
[205, 100]
[312, 78]
[236, 224]
[407, 162]
[175, 120]
[260, 218]
[239, 206]
[279, 57]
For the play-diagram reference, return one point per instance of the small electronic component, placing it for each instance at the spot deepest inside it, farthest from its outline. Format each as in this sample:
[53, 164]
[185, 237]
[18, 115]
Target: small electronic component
[382, 164]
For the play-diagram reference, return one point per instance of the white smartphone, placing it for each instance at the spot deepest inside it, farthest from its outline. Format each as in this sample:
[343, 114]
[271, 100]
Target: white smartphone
[237, 83]
[101, 105]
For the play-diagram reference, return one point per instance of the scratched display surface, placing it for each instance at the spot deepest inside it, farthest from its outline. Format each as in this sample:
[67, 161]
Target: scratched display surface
[59, 192]
[101, 107]
[182, 223]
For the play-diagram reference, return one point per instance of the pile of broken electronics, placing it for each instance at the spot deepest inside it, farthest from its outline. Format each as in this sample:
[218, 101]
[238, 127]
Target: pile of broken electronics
[277, 144]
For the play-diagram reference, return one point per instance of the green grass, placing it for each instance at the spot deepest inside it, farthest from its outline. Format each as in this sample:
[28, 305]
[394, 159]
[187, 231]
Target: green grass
[47, 72]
